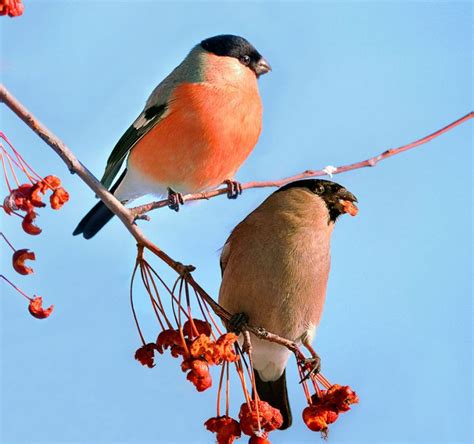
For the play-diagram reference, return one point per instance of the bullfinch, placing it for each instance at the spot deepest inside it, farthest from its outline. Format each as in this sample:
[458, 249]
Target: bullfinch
[197, 128]
[275, 267]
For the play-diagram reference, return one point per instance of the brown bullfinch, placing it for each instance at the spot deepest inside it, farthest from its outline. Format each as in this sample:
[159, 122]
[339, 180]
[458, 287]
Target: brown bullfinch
[275, 267]
[197, 128]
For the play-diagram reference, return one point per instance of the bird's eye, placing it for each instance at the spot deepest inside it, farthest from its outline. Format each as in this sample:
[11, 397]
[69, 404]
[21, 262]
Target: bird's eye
[245, 59]
[319, 189]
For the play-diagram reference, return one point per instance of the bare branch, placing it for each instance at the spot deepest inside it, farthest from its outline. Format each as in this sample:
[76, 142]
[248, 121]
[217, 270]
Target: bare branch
[371, 162]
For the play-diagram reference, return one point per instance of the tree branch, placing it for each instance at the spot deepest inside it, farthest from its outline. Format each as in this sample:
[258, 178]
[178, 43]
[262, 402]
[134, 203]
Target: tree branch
[329, 170]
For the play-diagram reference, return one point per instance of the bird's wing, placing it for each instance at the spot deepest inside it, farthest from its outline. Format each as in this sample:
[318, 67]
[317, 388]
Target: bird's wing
[226, 249]
[145, 121]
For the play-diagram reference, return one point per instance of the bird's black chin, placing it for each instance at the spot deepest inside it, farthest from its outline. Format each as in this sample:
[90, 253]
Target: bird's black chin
[334, 213]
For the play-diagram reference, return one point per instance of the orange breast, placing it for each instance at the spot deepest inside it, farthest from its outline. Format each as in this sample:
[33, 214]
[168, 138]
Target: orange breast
[207, 134]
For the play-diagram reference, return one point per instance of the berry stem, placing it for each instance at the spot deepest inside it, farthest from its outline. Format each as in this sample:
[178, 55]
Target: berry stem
[15, 287]
[7, 241]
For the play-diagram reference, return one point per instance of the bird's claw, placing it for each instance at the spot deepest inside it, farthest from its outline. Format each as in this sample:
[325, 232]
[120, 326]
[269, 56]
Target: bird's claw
[237, 322]
[312, 366]
[174, 200]
[234, 188]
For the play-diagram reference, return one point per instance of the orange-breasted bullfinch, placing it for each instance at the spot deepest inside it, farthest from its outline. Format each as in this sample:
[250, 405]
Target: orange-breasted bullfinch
[197, 128]
[275, 268]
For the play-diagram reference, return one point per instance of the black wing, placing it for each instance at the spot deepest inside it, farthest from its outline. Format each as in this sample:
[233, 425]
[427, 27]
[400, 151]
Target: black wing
[115, 161]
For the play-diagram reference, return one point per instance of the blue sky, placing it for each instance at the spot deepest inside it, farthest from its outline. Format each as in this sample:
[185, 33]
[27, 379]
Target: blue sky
[349, 80]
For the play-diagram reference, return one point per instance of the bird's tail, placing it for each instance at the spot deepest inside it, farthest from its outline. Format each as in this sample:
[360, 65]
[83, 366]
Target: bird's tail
[93, 221]
[276, 394]
[98, 216]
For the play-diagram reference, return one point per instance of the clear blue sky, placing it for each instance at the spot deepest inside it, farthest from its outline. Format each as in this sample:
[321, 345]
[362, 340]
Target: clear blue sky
[349, 80]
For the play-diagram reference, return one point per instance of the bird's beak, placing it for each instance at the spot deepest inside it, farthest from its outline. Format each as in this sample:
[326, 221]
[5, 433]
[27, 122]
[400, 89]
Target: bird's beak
[262, 67]
[346, 200]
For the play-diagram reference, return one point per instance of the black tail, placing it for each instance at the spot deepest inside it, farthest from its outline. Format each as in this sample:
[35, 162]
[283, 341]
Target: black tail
[98, 216]
[93, 221]
[276, 394]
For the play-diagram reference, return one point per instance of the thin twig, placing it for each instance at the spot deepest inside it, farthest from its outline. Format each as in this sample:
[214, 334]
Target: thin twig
[371, 162]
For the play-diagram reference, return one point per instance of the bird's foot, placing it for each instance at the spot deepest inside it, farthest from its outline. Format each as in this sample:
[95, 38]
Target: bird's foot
[174, 200]
[311, 365]
[237, 322]
[234, 188]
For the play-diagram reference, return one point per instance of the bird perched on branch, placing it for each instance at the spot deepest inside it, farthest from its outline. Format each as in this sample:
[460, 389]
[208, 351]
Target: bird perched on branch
[198, 127]
[275, 267]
